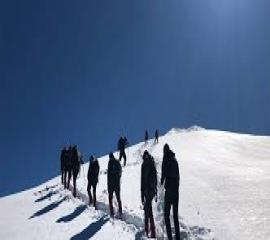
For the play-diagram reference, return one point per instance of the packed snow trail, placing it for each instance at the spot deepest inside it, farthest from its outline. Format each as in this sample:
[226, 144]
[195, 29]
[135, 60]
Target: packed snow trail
[224, 194]
[137, 221]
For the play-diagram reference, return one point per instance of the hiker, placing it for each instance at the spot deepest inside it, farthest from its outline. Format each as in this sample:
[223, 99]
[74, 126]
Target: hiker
[170, 175]
[62, 161]
[146, 137]
[68, 167]
[81, 159]
[92, 177]
[76, 165]
[148, 191]
[122, 143]
[113, 180]
[156, 136]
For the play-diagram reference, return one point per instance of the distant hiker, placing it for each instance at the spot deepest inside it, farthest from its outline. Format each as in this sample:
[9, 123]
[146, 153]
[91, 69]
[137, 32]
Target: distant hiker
[68, 167]
[122, 143]
[81, 159]
[76, 165]
[62, 161]
[148, 191]
[170, 175]
[156, 136]
[92, 177]
[113, 180]
[146, 137]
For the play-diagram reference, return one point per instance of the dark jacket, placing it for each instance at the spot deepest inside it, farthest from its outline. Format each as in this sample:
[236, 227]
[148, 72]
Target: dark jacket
[114, 175]
[93, 172]
[62, 159]
[68, 161]
[76, 164]
[146, 136]
[121, 144]
[148, 178]
[170, 173]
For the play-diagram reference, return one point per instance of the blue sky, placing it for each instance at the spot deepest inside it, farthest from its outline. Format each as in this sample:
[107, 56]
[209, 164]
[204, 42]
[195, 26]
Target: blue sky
[87, 71]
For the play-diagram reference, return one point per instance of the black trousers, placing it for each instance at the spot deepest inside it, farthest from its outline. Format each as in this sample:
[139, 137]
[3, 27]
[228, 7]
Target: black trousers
[74, 176]
[118, 198]
[62, 176]
[123, 155]
[171, 200]
[148, 217]
[92, 199]
[67, 177]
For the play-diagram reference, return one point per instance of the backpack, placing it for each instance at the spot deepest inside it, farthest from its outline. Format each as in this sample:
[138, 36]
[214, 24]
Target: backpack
[150, 178]
[153, 176]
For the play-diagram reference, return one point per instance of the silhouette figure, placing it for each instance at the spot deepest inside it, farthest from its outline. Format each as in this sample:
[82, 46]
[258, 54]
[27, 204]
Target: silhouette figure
[113, 180]
[72, 165]
[92, 177]
[122, 143]
[62, 161]
[156, 136]
[76, 166]
[170, 175]
[146, 137]
[67, 167]
[148, 191]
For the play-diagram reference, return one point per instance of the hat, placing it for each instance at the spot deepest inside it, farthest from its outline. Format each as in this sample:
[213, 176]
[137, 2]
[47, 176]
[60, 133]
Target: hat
[166, 148]
[111, 155]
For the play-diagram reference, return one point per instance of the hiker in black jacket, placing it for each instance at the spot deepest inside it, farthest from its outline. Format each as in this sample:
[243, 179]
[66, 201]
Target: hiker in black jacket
[156, 136]
[170, 175]
[113, 180]
[122, 143]
[146, 137]
[62, 161]
[68, 167]
[148, 191]
[92, 177]
[76, 166]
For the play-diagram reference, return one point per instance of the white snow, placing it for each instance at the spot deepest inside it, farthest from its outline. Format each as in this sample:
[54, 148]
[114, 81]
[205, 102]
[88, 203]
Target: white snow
[224, 194]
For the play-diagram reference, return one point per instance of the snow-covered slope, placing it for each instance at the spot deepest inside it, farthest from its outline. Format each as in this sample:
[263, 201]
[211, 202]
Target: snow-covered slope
[224, 194]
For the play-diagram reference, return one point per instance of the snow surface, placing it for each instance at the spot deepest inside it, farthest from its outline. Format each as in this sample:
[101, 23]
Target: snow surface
[224, 194]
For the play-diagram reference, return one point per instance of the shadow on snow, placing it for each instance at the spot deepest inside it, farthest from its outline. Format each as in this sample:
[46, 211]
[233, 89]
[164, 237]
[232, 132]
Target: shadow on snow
[48, 208]
[79, 210]
[188, 232]
[91, 230]
[48, 195]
